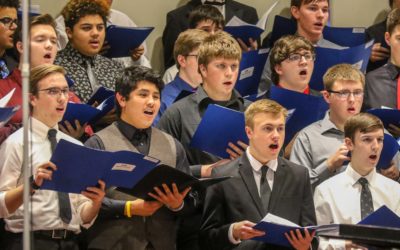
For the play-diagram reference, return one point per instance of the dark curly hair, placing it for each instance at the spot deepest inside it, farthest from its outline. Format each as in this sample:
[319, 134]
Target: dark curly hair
[129, 79]
[76, 9]
[9, 4]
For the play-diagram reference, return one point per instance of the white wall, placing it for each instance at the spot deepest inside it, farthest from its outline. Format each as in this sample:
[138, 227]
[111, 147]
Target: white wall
[354, 13]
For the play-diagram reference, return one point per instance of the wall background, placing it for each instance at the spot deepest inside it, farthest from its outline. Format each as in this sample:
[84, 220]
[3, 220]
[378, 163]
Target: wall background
[344, 13]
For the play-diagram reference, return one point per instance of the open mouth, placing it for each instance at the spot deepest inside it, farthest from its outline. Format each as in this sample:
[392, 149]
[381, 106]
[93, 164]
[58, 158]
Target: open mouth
[227, 83]
[373, 157]
[351, 109]
[60, 109]
[303, 72]
[273, 146]
[47, 56]
[149, 112]
[318, 24]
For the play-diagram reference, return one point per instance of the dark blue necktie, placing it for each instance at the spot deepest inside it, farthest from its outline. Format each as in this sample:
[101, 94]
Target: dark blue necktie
[63, 198]
[366, 204]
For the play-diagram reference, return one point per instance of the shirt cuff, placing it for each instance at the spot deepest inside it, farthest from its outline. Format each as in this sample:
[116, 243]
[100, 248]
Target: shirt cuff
[177, 209]
[230, 236]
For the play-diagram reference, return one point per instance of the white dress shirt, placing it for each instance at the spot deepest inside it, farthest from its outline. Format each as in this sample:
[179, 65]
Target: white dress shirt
[256, 166]
[337, 200]
[117, 18]
[45, 208]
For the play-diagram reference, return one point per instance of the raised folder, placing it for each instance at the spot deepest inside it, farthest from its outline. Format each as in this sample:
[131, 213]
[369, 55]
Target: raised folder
[217, 128]
[387, 116]
[250, 70]
[6, 113]
[79, 167]
[123, 39]
[308, 109]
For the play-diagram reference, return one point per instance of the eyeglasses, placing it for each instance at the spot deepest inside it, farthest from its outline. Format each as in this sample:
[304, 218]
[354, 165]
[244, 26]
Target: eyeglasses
[56, 92]
[296, 57]
[195, 55]
[8, 22]
[345, 94]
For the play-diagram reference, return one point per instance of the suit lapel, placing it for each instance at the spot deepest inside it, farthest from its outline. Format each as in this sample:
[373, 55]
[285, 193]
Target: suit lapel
[279, 181]
[246, 172]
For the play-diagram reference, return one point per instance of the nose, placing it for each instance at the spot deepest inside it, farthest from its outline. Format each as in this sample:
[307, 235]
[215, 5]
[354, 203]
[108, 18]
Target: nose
[48, 44]
[303, 60]
[351, 97]
[320, 13]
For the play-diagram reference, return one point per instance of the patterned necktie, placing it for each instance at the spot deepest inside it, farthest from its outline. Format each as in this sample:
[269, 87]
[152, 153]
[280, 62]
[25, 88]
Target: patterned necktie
[91, 75]
[63, 198]
[265, 190]
[3, 69]
[366, 204]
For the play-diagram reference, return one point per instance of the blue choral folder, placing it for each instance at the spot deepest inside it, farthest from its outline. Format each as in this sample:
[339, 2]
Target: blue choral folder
[383, 217]
[308, 109]
[387, 116]
[85, 113]
[389, 150]
[6, 114]
[100, 95]
[217, 128]
[250, 71]
[244, 32]
[123, 39]
[326, 58]
[79, 167]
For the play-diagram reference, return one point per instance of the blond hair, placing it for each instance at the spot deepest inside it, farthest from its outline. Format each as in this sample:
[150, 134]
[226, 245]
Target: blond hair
[219, 45]
[342, 72]
[263, 106]
[188, 41]
[40, 72]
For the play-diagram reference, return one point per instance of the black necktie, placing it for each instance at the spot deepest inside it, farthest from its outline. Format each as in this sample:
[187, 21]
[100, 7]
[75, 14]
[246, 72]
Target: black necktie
[265, 190]
[366, 204]
[63, 198]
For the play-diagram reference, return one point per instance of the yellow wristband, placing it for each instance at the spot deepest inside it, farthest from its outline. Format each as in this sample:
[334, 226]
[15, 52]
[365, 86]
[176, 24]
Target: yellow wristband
[128, 209]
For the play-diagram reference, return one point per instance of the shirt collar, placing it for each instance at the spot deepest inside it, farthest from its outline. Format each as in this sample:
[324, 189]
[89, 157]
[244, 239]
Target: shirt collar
[203, 100]
[328, 125]
[129, 131]
[40, 128]
[393, 70]
[182, 84]
[77, 56]
[256, 165]
[354, 176]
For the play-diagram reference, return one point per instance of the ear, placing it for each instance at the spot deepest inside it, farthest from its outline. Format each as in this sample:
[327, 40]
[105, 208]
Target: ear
[387, 38]
[295, 12]
[278, 69]
[69, 32]
[121, 100]
[326, 95]
[32, 99]
[18, 45]
[181, 60]
[249, 132]
[349, 143]
[202, 70]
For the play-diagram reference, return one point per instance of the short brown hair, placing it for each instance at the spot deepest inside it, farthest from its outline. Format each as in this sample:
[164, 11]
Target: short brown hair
[363, 122]
[74, 10]
[44, 19]
[342, 72]
[283, 48]
[40, 72]
[263, 106]
[220, 44]
[299, 3]
[188, 41]
[393, 20]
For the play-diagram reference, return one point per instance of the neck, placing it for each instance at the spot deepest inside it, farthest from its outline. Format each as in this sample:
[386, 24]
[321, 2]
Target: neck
[2, 52]
[311, 37]
[360, 170]
[335, 120]
[258, 157]
[216, 96]
[184, 76]
[394, 61]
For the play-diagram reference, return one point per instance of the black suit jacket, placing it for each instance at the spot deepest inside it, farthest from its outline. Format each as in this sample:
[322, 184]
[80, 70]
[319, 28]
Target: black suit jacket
[238, 199]
[178, 21]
